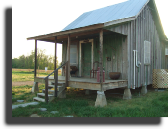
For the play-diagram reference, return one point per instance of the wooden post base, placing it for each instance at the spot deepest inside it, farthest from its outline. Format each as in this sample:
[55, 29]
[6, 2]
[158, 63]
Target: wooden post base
[144, 90]
[35, 87]
[127, 94]
[101, 99]
[62, 95]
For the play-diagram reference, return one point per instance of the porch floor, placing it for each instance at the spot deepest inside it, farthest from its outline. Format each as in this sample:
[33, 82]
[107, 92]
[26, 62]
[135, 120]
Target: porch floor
[87, 83]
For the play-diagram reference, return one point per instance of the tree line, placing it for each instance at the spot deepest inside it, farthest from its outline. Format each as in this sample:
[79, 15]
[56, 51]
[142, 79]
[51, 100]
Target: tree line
[27, 62]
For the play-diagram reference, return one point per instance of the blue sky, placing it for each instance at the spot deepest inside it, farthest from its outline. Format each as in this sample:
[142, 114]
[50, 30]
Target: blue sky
[34, 17]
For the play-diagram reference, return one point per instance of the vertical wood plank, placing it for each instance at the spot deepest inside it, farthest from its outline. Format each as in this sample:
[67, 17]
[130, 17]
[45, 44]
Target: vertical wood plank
[155, 41]
[136, 33]
[101, 57]
[78, 57]
[129, 55]
[46, 90]
[125, 60]
[68, 56]
[121, 55]
[137, 48]
[151, 44]
[141, 45]
[35, 60]
[56, 83]
[92, 54]
[145, 35]
[55, 60]
[66, 75]
[80, 60]
[112, 39]
[150, 33]
[62, 73]
[149, 41]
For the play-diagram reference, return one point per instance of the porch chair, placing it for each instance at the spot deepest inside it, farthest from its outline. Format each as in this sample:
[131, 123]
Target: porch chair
[94, 70]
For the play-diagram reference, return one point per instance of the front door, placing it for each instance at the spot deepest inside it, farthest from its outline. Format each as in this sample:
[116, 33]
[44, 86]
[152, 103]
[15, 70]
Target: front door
[86, 59]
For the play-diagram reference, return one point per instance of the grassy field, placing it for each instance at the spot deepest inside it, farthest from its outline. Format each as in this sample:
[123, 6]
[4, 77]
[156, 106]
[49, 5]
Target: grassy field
[153, 104]
[28, 74]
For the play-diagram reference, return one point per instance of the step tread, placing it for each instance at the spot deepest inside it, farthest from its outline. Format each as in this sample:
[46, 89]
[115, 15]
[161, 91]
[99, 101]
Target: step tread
[48, 90]
[43, 94]
[59, 82]
[39, 99]
[54, 86]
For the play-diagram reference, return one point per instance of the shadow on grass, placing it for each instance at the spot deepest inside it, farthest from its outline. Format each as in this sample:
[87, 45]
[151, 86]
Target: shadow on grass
[153, 104]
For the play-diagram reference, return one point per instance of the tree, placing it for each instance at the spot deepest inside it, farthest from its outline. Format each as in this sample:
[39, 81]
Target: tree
[27, 62]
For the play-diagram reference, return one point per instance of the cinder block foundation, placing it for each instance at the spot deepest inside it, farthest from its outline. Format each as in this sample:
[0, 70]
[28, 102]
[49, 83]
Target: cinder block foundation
[101, 99]
[62, 94]
[144, 90]
[127, 94]
[35, 87]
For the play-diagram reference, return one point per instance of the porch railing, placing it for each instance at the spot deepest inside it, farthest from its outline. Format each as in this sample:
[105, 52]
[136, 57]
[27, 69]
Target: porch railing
[56, 81]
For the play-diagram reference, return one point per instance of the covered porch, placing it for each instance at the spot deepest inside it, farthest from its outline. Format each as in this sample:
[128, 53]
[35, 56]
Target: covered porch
[81, 48]
[87, 83]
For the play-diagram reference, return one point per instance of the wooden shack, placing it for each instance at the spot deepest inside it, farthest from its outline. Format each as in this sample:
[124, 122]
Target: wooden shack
[126, 38]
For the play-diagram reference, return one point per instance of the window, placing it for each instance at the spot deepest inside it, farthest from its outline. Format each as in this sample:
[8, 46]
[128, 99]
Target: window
[147, 52]
[73, 54]
[166, 51]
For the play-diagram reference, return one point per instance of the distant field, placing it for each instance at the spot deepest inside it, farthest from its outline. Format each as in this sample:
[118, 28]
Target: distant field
[40, 71]
[22, 75]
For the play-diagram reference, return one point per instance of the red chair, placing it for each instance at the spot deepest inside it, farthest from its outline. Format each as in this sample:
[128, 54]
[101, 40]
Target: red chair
[94, 71]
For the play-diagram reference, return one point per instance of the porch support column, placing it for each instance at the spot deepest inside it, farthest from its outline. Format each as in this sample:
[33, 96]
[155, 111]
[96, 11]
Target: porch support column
[101, 58]
[35, 59]
[35, 85]
[101, 98]
[55, 61]
[68, 57]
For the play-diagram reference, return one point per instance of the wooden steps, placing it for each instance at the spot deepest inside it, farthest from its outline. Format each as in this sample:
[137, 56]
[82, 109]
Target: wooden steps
[41, 96]
[39, 99]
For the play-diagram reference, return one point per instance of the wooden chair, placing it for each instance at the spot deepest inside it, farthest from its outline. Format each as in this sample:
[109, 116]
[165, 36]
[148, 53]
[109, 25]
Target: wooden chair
[73, 70]
[94, 70]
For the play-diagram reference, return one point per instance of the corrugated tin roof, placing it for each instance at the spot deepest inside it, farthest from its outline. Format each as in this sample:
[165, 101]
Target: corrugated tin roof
[114, 12]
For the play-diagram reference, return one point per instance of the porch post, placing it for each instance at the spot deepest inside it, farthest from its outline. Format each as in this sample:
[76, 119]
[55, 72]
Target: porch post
[35, 85]
[55, 61]
[35, 59]
[101, 98]
[68, 56]
[101, 58]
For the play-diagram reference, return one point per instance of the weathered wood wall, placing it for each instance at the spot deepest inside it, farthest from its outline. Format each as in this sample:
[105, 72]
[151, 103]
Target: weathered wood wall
[137, 31]
[145, 29]
[114, 47]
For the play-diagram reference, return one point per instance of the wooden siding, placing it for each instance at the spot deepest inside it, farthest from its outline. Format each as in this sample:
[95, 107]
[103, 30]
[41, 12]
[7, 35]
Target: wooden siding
[137, 31]
[114, 47]
[143, 28]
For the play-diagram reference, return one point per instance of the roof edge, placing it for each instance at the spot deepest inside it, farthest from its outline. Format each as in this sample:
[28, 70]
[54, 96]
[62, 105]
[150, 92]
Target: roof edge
[119, 21]
[142, 9]
[67, 32]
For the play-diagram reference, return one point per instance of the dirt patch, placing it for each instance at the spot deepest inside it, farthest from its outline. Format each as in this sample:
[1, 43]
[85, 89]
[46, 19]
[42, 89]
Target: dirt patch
[22, 83]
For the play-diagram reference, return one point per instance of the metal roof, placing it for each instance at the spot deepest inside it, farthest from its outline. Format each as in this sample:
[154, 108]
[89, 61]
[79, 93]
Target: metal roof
[123, 10]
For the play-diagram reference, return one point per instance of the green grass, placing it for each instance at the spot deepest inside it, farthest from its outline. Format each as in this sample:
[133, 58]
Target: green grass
[153, 104]
[18, 76]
